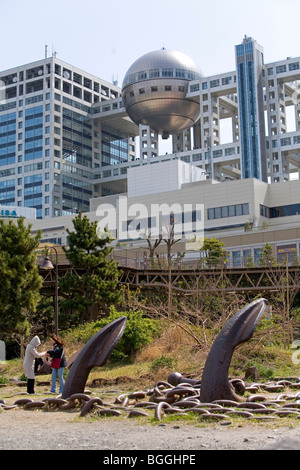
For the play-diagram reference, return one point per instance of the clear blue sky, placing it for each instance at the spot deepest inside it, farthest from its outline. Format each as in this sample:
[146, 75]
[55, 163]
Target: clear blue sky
[105, 38]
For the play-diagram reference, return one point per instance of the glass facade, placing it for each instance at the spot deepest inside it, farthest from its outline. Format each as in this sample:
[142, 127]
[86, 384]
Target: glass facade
[77, 150]
[49, 145]
[114, 146]
[76, 195]
[248, 111]
[7, 139]
[33, 133]
[77, 138]
[8, 192]
[33, 193]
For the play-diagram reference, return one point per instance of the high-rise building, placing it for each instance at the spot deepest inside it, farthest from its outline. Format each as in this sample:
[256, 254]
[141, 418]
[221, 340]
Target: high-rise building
[66, 138]
[249, 63]
[51, 141]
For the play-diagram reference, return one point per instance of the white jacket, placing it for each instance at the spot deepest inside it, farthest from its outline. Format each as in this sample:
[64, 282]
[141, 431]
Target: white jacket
[30, 355]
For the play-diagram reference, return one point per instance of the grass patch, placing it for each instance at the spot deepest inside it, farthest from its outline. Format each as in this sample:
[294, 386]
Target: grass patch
[174, 350]
[271, 361]
[162, 362]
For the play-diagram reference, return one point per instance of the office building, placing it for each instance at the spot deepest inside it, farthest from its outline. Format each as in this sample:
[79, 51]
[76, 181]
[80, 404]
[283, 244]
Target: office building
[244, 214]
[51, 141]
[65, 137]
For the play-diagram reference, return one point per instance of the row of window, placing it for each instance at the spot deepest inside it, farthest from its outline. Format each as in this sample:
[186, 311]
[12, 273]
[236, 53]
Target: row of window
[183, 223]
[246, 256]
[283, 68]
[39, 85]
[32, 147]
[160, 73]
[280, 211]
[67, 74]
[7, 139]
[155, 89]
[228, 211]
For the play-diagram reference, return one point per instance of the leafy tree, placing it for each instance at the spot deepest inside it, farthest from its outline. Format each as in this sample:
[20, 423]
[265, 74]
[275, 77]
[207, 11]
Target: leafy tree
[267, 256]
[92, 291]
[19, 277]
[42, 320]
[215, 251]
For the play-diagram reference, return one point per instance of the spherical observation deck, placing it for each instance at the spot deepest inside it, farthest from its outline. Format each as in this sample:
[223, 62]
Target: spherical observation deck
[155, 88]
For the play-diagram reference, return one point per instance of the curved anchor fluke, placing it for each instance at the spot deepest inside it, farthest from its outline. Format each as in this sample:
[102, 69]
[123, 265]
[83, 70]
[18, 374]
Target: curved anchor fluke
[96, 352]
[215, 383]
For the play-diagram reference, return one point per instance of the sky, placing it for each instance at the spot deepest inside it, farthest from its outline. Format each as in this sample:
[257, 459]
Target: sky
[104, 38]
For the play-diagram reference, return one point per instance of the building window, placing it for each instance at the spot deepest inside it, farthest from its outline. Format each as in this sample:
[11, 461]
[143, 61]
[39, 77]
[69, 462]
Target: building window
[236, 258]
[279, 211]
[214, 83]
[226, 80]
[142, 75]
[167, 72]
[228, 211]
[154, 73]
[281, 69]
[194, 87]
[294, 66]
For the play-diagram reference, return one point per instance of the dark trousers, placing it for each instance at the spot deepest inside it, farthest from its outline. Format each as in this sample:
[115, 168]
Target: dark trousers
[30, 385]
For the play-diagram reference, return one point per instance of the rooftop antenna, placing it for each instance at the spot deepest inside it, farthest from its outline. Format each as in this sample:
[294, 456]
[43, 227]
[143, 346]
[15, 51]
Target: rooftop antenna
[115, 81]
[54, 52]
[46, 51]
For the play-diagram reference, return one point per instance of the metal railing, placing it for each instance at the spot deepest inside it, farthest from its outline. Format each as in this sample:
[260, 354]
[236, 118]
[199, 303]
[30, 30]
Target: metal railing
[179, 261]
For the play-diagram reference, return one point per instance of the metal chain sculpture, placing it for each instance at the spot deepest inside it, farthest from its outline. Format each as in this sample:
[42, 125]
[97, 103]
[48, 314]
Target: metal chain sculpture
[215, 383]
[240, 328]
[202, 396]
[96, 352]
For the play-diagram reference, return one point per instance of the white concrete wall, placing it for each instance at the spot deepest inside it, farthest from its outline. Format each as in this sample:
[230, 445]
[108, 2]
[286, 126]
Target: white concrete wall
[163, 177]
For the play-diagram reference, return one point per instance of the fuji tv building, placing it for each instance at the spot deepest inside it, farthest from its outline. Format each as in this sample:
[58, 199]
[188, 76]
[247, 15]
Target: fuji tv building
[72, 142]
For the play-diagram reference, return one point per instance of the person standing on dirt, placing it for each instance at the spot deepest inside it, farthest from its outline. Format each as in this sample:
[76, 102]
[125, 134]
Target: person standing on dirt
[58, 353]
[30, 355]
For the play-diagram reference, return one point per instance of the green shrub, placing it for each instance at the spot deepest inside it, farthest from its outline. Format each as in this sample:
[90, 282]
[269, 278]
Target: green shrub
[264, 371]
[162, 362]
[138, 332]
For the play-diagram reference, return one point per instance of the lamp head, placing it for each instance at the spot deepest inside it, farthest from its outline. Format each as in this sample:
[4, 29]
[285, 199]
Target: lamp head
[46, 264]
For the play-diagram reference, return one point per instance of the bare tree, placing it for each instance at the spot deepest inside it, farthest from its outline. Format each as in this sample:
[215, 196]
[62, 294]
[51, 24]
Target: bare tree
[152, 246]
[287, 286]
[169, 238]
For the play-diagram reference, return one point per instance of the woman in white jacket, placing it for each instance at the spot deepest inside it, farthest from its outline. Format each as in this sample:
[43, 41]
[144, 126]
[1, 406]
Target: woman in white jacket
[30, 354]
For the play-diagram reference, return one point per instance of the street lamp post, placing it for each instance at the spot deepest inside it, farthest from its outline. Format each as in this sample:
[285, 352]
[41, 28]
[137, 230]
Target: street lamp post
[47, 265]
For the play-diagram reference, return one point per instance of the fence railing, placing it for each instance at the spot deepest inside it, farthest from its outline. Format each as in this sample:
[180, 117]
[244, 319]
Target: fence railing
[178, 261]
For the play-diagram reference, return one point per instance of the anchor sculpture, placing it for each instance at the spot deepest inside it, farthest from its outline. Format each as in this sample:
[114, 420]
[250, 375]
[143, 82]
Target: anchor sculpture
[96, 352]
[215, 384]
[240, 328]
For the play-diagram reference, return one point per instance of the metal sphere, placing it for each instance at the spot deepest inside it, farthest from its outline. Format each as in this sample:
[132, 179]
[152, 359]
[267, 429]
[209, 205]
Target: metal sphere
[155, 88]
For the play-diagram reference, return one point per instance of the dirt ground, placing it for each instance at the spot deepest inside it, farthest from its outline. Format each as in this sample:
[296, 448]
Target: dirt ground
[22, 429]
